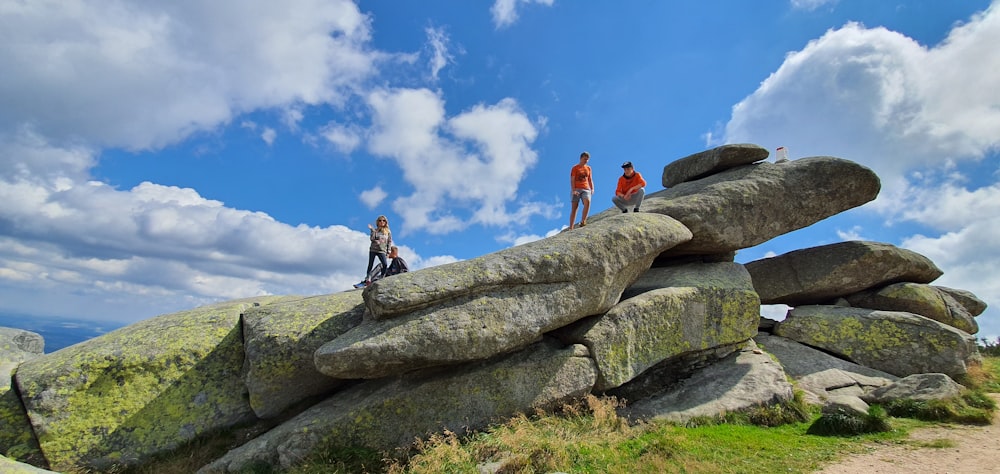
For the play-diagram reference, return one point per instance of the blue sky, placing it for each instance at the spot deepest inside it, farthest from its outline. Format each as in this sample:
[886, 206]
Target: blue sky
[155, 158]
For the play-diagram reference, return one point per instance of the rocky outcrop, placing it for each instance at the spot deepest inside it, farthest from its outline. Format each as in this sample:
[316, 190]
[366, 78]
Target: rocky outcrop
[392, 412]
[464, 345]
[141, 390]
[474, 309]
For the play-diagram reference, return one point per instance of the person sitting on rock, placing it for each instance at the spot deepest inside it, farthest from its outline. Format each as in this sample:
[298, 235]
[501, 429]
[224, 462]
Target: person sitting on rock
[398, 265]
[631, 189]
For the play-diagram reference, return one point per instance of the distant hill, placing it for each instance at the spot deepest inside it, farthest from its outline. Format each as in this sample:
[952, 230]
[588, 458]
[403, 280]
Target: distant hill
[59, 332]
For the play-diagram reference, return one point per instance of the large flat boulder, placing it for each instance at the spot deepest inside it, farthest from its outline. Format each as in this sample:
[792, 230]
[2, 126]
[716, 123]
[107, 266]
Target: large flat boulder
[741, 381]
[17, 441]
[747, 205]
[393, 412]
[712, 161]
[609, 254]
[891, 341]
[817, 275]
[674, 311]
[144, 389]
[926, 300]
[479, 308]
[280, 339]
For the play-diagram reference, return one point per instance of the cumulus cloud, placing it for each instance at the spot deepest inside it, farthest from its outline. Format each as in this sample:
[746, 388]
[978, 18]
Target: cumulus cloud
[505, 11]
[490, 143]
[141, 76]
[923, 117]
[373, 197]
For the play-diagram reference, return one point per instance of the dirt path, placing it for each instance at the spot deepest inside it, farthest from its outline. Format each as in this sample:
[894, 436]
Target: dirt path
[969, 449]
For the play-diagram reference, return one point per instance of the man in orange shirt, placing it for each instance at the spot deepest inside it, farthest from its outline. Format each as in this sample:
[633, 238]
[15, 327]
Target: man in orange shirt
[631, 189]
[581, 185]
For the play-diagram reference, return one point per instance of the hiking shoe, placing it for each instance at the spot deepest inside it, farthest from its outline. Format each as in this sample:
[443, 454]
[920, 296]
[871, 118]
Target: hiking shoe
[635, 210]
[624, 211]
[359, 285]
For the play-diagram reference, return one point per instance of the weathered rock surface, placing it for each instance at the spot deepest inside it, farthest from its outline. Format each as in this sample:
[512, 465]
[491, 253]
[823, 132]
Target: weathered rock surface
[845, 404]
[16, 439]
[702, 164]
[16, 346]
[967, 299]
[819, 374]
[10, 466]
[140, 390]
[926, 300]
[744, 206]
[895, 342]
[741, 381]
[818, 274]
[280, 339]
[499, 302]
[919, 387]
[393, 412]
[611, 254]
[675, 310]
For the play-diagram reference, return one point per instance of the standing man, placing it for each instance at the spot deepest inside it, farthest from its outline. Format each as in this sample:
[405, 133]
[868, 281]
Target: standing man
[631, 189]
[581, 185]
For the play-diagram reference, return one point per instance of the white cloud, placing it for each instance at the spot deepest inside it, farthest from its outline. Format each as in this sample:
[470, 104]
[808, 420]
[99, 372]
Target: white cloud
[437, 41]
[810, 5]
[345, 138]
[269, 135]
[919, 116]
[505, 11]
[68, 240]
[140, 76]
[486, 141]
[373, 197]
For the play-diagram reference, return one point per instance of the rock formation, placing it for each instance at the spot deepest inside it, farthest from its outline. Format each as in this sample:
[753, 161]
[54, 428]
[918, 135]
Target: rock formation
[648, 306]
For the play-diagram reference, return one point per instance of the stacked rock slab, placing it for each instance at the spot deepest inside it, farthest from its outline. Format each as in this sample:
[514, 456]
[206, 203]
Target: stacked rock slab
[497, 303]
[709, 162]
[667, 313]
[818, 275]
[926, 300]
[394, 411]
[883, 280]
[744, 206]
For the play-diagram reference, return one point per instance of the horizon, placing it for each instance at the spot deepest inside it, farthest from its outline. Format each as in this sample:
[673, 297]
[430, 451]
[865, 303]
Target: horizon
[158, 158]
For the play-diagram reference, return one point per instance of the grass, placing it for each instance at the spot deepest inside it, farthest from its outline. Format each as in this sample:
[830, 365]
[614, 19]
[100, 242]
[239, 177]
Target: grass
[589, 437]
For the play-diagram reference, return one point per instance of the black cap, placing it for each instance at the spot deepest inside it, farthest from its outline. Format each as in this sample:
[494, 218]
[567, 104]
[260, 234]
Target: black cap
[627, 164]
